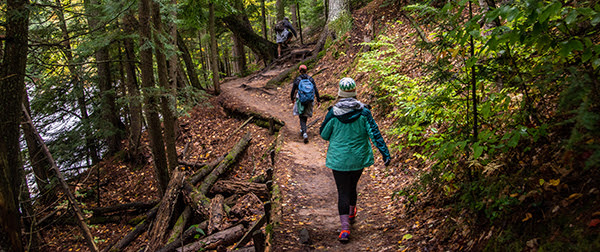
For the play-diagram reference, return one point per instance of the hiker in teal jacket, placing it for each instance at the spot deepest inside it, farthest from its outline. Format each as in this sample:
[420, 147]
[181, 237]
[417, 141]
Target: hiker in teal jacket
[348, 126]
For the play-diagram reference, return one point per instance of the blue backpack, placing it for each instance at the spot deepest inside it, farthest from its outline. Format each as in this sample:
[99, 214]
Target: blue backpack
[306, 91]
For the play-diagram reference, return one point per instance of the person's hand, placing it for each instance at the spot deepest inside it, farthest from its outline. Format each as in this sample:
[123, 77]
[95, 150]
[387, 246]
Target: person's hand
[387, 161]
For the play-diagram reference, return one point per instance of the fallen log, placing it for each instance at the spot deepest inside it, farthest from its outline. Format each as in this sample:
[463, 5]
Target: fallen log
[137, 231]
[181, 223]
[128, 207]
[216, 220]
[229, 187]
[260, 119]
[158, 232]
[185, 237]
[205, 170]
[223, 238]
[196, 197]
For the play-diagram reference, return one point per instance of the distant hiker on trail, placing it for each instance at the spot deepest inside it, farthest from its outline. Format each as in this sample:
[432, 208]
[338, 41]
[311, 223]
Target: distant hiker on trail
[348, 126]
[304, 92]
[284, 31]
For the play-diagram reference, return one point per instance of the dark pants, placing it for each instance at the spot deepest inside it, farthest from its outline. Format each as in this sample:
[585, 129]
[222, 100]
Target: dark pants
[303, 120]
[346, 182]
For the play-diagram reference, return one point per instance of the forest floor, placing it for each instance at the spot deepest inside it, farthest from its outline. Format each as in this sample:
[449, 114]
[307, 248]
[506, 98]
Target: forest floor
[306, 216]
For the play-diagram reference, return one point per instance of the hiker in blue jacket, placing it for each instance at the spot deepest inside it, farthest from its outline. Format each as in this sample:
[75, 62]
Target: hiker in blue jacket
[303, 96]
[348, 126]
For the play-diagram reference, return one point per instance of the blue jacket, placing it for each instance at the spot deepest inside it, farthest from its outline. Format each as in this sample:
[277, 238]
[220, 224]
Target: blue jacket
[348, 126]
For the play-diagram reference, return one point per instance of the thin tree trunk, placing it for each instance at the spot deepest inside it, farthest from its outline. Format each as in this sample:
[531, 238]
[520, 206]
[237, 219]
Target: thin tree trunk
[239, 56]
[151, 98]
[167, 98]
[294, 16]
[33, 239]
[213, 48]
[39, 163]
[108, 102]
[12, 86]
[299, 23]
[189, 64]
[133, 91]
[67, 191]
[203, 61]
[263, 14]
[91, 147]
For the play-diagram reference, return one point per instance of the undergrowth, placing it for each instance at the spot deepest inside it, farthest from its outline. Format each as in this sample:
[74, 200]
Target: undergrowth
[526, 160]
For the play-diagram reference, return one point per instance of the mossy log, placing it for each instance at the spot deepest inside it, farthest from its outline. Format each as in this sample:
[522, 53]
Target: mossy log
[191, 232]
[244, 112]
[229, 187]
[166, 209]
[137, 231]
[217, 215]
[223, 238]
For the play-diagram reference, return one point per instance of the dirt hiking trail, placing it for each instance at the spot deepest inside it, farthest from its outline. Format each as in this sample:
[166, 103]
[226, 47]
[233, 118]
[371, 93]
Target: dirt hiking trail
[307, 217]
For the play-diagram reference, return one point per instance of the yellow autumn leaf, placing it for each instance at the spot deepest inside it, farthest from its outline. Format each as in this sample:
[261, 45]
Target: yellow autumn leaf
[542, 181]
[554, 182]
[575, 196]
[527, 217]
[514, 195]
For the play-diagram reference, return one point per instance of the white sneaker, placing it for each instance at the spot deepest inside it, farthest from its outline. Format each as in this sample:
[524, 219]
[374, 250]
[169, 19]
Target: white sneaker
[305, 136]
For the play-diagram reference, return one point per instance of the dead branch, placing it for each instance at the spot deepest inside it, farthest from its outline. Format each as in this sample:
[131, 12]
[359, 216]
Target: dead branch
[77, 211]
[137, 231]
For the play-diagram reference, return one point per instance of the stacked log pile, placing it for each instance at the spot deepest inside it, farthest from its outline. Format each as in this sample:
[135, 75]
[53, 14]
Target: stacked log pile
[200, 212]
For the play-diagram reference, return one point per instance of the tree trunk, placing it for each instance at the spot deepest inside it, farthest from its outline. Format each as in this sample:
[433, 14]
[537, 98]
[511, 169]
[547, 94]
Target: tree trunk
[167, 98]
[239, 56]
[336, 9]
[33, 239]
[165, 211]
[263, 15]
[294, 16]
[213, 48]
[280, 9]
[223, 238]
[91, 147]
[151, 98]
[240, 25]
[299, 24]
[12, 86]
[108, 105]
[189, 233]
[39, 163]
[189, 64]
[133, 91]
[67, 191]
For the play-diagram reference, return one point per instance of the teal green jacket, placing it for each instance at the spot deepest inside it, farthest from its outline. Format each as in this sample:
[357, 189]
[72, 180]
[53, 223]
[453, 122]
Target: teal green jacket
[348, 126]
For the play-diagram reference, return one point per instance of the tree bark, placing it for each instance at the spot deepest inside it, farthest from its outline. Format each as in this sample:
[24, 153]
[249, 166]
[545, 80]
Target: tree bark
[189, 233]
[133, 91]
[128, 207]
[263, 20]
[280, 9]
[108, 102]
[39, 163]
[240, 25]
[12, 87]
[165, 211]
[224, 237]
[189, 64]
[216, 219]
[228, 187]
[213, 48]
[168, 103]
[151, 99]
[77, 211]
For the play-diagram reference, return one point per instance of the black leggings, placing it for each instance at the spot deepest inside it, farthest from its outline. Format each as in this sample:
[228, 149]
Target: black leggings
[346, 182]
[303, 120]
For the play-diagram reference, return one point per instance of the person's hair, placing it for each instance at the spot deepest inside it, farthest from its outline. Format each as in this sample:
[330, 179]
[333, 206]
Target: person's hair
[302, 70]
